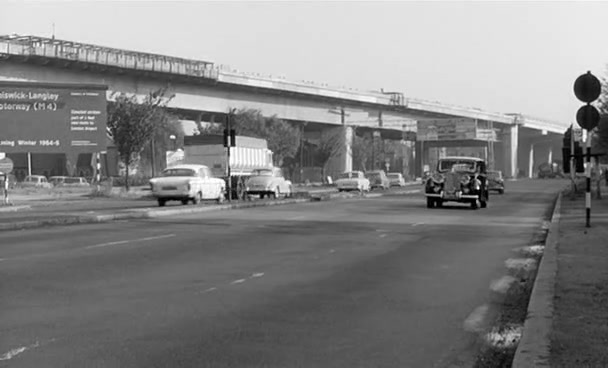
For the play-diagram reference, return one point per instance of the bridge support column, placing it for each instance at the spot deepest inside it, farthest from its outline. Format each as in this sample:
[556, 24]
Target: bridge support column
[510, 148]
[531, 161]
[343, 160]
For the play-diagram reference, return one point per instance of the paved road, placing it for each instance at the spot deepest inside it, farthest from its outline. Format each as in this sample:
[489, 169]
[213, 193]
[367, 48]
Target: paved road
[377, 282]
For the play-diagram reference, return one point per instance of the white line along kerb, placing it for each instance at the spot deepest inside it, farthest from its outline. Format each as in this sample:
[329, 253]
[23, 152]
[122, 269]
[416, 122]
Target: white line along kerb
[474, 323]
[130, 241]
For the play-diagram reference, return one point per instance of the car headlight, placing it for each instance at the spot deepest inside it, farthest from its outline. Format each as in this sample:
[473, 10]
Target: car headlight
[437, 178]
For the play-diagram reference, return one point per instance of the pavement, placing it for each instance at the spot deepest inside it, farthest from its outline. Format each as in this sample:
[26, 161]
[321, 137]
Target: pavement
[567, 323]
[376, 281]
[75, 206]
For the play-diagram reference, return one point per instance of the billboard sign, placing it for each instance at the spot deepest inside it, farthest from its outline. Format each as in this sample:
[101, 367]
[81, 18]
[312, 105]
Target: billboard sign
[52, 118]
[446, 129]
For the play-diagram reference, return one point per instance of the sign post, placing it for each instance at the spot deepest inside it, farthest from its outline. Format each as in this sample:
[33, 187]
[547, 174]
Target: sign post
[587, 88]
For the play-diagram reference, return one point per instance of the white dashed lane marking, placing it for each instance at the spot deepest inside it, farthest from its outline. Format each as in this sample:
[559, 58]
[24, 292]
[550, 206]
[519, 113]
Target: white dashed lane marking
[130, 241]
[257, 274]
[14, 352]
[239, 281]
[208, 290]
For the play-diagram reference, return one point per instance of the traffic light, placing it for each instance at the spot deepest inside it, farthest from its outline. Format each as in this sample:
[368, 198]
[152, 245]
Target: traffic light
[232, 138]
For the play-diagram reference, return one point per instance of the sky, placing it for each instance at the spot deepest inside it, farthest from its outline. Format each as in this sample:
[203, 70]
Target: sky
[510, 57]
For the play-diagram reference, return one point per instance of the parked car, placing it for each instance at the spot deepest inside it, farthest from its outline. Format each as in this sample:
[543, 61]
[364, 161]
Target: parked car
[353, 180]
[378, 179]
[36, 181]
[57, 180]
[396, 179]
[187, 183]
[268, 182]
[496, 181]
[548, 170]
[458, 179]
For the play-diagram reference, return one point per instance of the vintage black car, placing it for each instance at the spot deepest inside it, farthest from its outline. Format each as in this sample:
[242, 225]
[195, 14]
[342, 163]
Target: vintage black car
[458, 179]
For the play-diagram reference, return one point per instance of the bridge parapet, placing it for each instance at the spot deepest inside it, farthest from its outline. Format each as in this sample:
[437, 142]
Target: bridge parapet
[40, 47]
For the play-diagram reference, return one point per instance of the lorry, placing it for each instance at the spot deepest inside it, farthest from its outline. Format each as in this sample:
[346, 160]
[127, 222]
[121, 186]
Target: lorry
[248, 155]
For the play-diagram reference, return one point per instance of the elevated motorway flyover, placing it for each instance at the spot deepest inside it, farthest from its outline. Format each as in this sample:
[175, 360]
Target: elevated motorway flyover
[205, 91]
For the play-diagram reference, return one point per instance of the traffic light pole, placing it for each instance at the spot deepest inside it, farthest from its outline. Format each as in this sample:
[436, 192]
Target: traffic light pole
[588, 193]
[572, 168]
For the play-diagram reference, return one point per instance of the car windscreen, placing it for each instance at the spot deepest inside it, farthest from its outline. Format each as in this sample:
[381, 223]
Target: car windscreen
[348, 175]
[179, 172]
[393, 176]
[72, 181]
[459, 165]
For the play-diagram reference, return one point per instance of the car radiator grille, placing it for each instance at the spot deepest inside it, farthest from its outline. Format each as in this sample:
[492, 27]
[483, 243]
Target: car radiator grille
[452, 183]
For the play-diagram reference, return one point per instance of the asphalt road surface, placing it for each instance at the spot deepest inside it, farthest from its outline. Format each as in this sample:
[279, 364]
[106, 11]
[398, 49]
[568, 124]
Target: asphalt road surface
[376, 282]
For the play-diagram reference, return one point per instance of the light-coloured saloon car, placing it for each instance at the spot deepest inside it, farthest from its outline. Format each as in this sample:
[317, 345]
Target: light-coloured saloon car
[187, 183]
[353, 180]
[396, 179]
[36, 181]
[268, 182]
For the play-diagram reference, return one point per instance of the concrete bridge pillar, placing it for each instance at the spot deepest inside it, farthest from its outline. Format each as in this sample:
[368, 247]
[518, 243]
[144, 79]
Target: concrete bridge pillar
[343, 160]
[510, 150]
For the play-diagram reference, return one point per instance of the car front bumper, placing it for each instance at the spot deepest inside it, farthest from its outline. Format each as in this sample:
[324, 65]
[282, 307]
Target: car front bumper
[457, 196]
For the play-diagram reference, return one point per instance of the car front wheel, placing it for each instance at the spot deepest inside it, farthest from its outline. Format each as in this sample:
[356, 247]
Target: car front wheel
[197, 198]
[430, 202]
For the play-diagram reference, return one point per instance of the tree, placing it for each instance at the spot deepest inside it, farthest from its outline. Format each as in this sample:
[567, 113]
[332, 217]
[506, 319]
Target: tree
[133, 123]
[161, 142]
[600, 141]
[282, 137]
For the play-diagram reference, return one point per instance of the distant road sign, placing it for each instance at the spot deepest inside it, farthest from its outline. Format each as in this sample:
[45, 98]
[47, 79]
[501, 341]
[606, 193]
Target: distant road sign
[6, 165]
[587, 87]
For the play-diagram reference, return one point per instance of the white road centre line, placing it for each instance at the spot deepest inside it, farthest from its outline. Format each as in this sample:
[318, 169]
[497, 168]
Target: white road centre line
[208, 290]
[417, 223]
[239, 281]
[130, 241]
[257, 274]
[14, 352]
[382, 235]
[474, 322]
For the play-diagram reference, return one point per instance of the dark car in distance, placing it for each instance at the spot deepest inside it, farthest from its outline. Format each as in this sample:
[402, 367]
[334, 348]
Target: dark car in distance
[496, 181]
